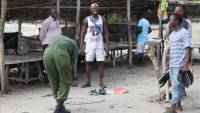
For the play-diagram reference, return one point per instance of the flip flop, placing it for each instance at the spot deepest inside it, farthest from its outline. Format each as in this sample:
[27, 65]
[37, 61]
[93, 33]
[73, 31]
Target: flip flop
[93, 92]
[170, 110]
[102, 91]
[186, 78]
[163, 79]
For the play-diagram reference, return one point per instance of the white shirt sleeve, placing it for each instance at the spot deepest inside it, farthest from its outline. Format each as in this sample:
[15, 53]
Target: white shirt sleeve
[43, 30]
[186, 39]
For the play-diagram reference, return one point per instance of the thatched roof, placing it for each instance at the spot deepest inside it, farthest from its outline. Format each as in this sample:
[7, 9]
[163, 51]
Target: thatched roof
[39, 9]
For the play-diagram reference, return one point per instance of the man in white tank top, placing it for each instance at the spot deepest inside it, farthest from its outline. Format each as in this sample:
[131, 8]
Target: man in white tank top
[94, 27]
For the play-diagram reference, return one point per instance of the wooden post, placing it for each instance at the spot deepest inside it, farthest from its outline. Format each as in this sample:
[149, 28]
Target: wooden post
[3, 76]
[27, 73]
[152, 43]
[159, 33]
[19, 45]
[77, 20]
[114, 58]
[58, 8]
[19, 28]
[129, 31]
[77, 34]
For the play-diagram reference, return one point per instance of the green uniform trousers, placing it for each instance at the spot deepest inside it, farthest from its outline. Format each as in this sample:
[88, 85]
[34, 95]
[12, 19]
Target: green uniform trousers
[58, 63]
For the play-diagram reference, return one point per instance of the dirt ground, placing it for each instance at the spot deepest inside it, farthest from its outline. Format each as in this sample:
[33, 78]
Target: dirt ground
[140, 81]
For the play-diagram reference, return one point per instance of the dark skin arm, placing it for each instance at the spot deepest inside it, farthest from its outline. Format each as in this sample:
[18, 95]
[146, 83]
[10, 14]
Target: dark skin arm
[83, 32]
[187, 58]
[106, 35]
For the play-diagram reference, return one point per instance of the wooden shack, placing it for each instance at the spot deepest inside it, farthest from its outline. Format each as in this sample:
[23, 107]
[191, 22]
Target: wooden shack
[70, 11]
[74, 11]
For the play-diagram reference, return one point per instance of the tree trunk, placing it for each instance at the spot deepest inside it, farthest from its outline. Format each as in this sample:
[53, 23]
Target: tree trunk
[160, 33]
[152, 43]
[129, 31]
[3, 76]
[165, 67]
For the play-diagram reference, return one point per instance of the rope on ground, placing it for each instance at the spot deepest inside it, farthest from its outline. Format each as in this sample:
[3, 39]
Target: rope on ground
[84, 103]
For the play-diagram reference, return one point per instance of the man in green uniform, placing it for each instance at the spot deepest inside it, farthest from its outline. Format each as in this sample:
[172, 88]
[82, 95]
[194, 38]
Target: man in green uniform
[59, 58]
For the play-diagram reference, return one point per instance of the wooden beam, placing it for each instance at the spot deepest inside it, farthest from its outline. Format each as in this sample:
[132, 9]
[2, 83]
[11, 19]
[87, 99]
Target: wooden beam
[3, 75]
[62, 7]
[129, 31]
[58, 8]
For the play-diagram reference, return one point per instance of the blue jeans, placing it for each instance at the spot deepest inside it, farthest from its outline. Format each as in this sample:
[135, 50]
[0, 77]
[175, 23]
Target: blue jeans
[176, 85]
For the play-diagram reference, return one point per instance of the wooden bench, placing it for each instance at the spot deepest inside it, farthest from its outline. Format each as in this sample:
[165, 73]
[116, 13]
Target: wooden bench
[118, 46]
[25, 61]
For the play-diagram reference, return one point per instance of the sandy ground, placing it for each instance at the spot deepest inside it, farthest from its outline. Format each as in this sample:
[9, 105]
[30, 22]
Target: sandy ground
[140, 81]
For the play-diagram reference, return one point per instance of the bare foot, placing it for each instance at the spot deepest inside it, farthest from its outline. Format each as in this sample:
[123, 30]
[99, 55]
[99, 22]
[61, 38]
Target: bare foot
[86, 85]
[184, 94]
[179, 108]
[102, 85]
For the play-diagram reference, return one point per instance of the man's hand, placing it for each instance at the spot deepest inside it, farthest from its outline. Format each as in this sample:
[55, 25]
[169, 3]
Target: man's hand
[82, 51]
[107, 54]
[186, 68]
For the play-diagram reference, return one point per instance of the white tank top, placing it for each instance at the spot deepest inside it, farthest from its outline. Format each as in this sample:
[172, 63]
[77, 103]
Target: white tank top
[93, 37]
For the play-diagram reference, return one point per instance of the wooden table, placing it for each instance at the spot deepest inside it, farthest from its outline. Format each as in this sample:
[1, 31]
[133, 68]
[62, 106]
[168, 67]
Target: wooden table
[118, 46]
[25, 61]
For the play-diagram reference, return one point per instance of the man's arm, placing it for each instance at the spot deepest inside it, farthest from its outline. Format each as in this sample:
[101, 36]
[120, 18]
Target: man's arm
[187, 44]
[187, 58]
[106, 35]
[190, 27]
[43, 30]
[83, 32]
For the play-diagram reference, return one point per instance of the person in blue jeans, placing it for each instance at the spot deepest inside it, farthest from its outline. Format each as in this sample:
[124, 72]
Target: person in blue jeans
[180, 42]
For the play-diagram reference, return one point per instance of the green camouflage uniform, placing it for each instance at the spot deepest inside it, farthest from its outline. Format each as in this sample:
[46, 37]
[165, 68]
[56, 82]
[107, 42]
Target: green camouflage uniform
[59, 58]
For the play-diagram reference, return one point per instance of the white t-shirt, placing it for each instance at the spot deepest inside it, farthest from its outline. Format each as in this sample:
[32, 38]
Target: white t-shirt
[178, 41]
[93, 37]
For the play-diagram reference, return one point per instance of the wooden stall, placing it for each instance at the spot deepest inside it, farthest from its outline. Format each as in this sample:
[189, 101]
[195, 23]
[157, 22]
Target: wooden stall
[73, 11]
